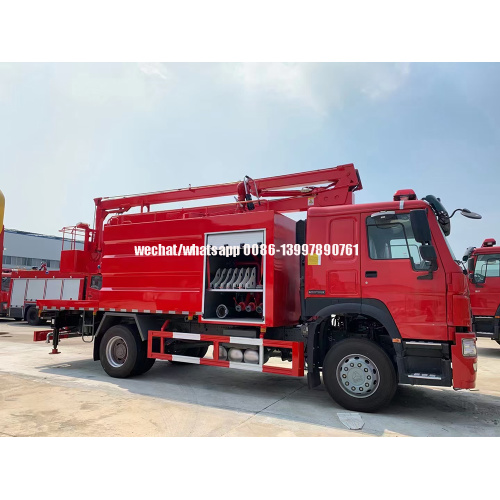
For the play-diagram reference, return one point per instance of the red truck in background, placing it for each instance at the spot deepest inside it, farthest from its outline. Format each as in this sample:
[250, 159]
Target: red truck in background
[20, 289]
[394, 308]
[484, 285]
[26, 287]
[4, 292]
[5, 275]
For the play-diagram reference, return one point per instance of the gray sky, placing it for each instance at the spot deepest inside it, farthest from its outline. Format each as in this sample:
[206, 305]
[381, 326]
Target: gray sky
[72, 132]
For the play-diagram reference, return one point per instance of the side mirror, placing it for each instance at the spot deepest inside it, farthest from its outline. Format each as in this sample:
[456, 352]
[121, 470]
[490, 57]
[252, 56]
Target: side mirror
[470, 266]
[420, 227]
[470, 215]
[428, 253]
[478, 279]
[468, 253]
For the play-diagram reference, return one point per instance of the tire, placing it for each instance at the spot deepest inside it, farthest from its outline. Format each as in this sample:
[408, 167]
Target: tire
[32, 316]
[498, 342]
[145, 364]
[376, 375]
[122, 352]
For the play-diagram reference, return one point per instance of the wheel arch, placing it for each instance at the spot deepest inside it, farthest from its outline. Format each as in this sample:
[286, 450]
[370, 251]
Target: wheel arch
[369, 308]
[143, 323]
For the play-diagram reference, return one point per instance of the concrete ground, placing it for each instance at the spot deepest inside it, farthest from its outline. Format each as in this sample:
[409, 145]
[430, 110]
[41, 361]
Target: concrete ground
[70, 395]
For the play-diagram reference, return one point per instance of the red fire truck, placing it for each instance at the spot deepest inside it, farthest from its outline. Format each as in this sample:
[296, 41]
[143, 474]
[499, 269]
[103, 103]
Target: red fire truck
[24, 288]
[20, 289]
[367, 295]
[4, 287]
[484, 285]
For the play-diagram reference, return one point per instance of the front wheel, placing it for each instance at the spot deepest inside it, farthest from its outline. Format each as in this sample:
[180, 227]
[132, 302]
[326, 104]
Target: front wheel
[359, 375]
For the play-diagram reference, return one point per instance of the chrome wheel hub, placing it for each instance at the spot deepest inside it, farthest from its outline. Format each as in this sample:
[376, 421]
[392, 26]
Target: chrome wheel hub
[358, 375]
[116, 352]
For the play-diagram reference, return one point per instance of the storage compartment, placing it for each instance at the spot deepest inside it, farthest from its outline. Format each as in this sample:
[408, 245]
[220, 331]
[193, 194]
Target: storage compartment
[234, 277]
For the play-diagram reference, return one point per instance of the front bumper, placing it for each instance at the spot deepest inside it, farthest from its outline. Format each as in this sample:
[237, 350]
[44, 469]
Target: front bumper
[464, 367]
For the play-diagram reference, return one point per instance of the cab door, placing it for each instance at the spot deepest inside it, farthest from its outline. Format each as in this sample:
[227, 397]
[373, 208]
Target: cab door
[336, 272]
[393, 273]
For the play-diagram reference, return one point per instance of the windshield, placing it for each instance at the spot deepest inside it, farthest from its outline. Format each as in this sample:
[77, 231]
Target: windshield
[488, 265]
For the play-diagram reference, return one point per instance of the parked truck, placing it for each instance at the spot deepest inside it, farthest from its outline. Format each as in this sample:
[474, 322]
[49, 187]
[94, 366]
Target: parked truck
[4, 286]
[483, 266]
[20, 289]
[366, 295]
[26, 287]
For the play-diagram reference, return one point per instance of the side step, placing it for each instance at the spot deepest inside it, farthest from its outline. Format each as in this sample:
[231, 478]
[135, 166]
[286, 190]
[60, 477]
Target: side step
[427, 376]
[424, 362]
[484, 334]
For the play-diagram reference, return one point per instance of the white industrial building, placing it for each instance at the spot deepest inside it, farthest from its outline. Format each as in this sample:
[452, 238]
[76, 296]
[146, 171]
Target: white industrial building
[23, 250]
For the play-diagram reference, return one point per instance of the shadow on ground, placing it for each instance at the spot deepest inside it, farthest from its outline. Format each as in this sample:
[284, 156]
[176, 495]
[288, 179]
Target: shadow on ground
[415, 411]
[492, 351]
[22, 324]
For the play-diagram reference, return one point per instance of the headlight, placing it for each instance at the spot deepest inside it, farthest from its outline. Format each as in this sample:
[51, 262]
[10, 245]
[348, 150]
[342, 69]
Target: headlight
[469, 348]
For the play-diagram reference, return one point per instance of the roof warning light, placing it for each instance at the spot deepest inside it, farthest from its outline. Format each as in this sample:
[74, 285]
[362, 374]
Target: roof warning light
[405, 194]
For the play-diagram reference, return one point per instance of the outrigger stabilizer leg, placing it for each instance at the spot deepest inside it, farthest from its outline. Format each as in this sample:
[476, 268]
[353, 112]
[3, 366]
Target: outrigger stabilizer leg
[55, 337]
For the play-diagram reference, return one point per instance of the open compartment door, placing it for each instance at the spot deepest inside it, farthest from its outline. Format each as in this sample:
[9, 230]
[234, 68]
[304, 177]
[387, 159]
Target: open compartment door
[234, 277]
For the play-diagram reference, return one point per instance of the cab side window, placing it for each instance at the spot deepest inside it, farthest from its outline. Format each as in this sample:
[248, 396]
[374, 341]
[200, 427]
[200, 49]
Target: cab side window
[393, 239]
[488, 265]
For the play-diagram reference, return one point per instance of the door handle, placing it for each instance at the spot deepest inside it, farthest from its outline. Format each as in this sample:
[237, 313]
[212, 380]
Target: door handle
[370, 274]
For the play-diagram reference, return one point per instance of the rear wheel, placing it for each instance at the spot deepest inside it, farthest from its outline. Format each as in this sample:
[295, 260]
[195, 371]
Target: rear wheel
[144, 363]
[32, 316]
[122, 352]
[145, 366]
[359, 375]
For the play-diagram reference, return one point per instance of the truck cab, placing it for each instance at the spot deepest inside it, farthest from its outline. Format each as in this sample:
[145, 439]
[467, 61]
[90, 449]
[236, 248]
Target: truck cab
[400, 287]
[484, 284]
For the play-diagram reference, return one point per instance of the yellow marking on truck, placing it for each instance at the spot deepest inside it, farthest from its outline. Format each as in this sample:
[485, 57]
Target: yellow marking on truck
[314, 259]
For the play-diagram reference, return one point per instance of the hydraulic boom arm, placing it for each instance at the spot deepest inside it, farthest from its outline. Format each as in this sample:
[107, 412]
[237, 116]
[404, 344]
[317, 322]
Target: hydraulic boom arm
[340, 182]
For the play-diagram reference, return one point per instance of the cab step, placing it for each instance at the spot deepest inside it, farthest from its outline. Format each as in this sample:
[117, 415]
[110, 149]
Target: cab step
[427, 376]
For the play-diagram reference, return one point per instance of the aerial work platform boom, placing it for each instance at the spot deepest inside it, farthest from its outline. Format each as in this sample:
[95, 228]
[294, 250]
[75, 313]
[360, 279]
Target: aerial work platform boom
[341, 182]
